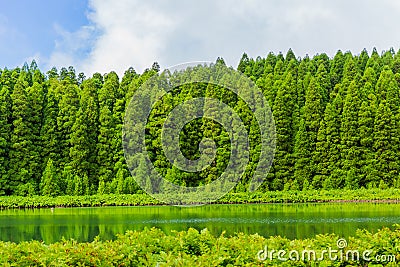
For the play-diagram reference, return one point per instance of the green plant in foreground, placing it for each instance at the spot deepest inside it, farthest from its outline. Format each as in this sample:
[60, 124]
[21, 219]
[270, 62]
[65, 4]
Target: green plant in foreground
[153, 247]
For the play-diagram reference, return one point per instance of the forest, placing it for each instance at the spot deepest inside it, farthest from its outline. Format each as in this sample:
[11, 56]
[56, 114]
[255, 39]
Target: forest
[336, 118]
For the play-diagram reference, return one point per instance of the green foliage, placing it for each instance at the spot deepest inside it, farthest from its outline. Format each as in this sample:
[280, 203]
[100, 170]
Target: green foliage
[153, 247]
[48, 185]
[386, 143]
[350, 142]
[78, 183]
[27, 198]
[283, 110]
[5, 129]
[21, 168]
[302, 151]
[337, 126]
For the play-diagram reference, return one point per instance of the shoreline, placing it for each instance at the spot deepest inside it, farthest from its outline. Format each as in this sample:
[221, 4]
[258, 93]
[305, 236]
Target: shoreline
[271, 197]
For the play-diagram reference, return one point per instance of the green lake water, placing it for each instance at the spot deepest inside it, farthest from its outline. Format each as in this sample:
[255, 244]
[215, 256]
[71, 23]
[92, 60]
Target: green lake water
[289, 220]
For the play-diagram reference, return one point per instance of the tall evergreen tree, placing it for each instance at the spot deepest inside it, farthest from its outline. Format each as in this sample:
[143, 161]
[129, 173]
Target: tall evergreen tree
[84, 134]
[284, 106]
[50, 135]
[107, 150]
[5, 129]
[362, 60]
[313, 110]
[243, 63]
[332, 132]
[336, 69]
[22, 139]
[369, 82]
[302, 155]
[366, 126]
[320, 155]
[67, 115]
[303, 78]
[324, 82]
[387, 89]
[49, 181]
[386, 144]
[350, 132]
[374, 61]
[36, 99]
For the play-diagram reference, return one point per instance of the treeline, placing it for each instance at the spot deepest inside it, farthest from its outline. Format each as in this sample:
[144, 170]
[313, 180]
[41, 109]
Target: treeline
[60, 133]
[337, 122]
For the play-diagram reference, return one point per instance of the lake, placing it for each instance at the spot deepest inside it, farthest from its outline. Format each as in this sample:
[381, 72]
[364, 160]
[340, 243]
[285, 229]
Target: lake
[289, 220]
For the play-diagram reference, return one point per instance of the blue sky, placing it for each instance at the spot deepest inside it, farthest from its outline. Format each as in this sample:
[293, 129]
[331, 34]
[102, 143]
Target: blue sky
[103, 35]
[29, 28]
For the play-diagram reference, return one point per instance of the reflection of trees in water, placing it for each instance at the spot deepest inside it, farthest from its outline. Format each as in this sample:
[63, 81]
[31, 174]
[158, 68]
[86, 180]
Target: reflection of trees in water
[290, 220]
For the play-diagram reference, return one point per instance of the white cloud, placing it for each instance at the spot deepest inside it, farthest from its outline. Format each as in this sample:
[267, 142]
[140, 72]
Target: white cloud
[136, 33]
[133, 34]
[72, 48]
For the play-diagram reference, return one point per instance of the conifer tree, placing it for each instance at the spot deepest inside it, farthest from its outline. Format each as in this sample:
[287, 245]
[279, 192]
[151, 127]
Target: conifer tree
[362, 60]
[386, 144]
[243, 63]
[366, 126]
[336, 69]
[324, 82]
[320, 155]
[48, 184]
[284, 107]
[265, 83]
[374, 61]
[50, 135]
[78, 186]
[349, 131]
[302, 83]
[349, 73]
[313, 110]
[106, 153]
[369, 82]
[107, 146]
[101, 190]
[67, 114]
[68, 179]
[387, 89]
[84, 134]
[5, 129]
[332, 133]
[270, 62]
[302, 155]
[36, 97]
[21, 139]
[387, 58]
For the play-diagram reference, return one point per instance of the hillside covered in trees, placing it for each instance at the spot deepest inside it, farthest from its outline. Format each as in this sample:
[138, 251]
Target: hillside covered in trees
[337, 126]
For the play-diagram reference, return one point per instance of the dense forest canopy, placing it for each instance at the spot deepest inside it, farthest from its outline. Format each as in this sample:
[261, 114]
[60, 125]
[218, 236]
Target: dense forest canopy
[337, 124]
